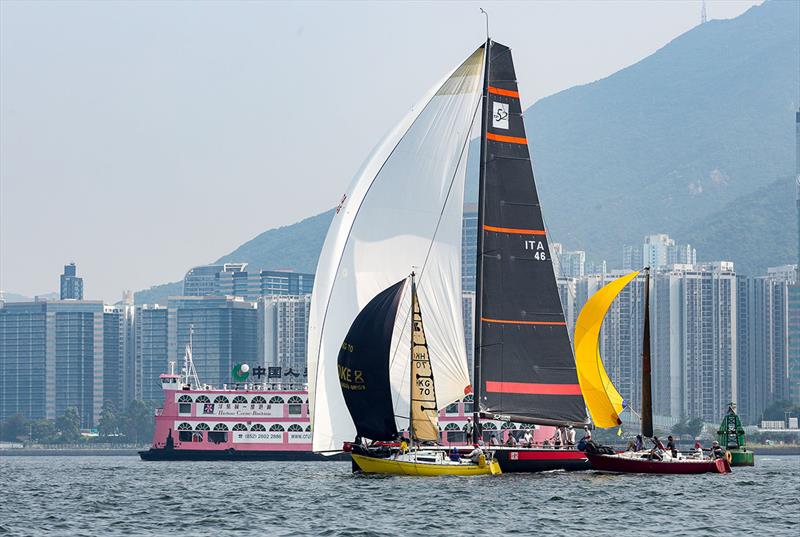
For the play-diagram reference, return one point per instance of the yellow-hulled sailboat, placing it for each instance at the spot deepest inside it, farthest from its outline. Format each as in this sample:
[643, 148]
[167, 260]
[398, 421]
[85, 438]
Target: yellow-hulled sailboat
[364, 360]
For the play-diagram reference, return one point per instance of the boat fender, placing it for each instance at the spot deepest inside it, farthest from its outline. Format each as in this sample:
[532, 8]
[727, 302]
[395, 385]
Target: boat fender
[482, 461]
[728, 457]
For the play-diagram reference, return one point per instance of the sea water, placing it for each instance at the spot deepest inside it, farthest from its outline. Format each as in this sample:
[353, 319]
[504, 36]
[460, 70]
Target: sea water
[93, 496]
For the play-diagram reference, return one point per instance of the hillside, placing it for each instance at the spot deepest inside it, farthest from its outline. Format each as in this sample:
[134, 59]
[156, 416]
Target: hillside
[664, 144]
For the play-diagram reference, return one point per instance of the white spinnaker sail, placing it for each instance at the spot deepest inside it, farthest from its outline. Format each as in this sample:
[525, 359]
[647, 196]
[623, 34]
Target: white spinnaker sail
[403, 211]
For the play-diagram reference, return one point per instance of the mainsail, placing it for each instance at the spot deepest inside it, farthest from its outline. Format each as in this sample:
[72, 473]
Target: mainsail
[524, 368]
[602, 398]
[424, 414]
[363, 366]
[403, 210]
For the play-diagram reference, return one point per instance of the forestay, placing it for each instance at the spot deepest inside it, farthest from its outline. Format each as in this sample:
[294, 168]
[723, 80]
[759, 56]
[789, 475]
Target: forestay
[401, 213]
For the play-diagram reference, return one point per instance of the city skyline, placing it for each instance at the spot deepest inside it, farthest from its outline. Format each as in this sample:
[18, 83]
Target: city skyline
[167, 178]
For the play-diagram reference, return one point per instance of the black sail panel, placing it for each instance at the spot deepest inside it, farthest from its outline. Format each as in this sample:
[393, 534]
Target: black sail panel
[363, 365]
[525, 367]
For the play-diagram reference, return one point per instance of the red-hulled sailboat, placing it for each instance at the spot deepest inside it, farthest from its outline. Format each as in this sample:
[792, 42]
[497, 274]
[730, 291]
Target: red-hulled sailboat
[605, 403]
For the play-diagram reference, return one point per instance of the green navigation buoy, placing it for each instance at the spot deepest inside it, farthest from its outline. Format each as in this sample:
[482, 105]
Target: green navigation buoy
[731, 436]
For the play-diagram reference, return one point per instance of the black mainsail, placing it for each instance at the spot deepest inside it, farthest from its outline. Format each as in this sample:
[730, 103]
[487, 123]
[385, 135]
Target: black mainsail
[524, 366]
[363, 366]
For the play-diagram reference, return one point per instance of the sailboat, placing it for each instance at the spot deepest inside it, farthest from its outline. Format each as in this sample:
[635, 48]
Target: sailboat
[404, 209]
[363, 364]
[605, 403]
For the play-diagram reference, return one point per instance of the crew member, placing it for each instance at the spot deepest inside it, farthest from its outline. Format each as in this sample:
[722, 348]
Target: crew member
[671, 447]
[716, 450]
[475, 454]
[468, 429]
[571, 436]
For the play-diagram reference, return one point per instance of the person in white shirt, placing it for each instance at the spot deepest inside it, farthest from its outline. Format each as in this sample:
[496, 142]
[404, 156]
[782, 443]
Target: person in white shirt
[571, 436]
[557, 438]
[527, 438]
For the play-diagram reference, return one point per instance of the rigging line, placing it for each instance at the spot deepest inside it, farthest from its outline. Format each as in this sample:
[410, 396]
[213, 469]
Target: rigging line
[363, 199]
[464, 148]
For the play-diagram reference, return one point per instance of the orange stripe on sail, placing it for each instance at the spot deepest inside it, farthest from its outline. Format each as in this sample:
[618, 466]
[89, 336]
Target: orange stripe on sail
[515, 230]
[504, 321]
[504, 92]
[509, 139]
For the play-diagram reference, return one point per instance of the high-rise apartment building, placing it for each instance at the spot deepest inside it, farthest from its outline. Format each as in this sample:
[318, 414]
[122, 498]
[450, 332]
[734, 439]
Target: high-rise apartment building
[469, 247]
[283, 336]
[52, 358]
[468, 317]
[232, 279]
[71, 284]
[223, 332]
[151, 351]
[657, 251]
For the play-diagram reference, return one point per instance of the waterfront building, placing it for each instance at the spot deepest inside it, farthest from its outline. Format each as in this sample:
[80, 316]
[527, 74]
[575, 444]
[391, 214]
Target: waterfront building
[223, 332]
[71, 284]
[151, 351]
[282, 338]
[657, 251]
[469, 246]
[233, 279]
[51, 358]
[118, 368]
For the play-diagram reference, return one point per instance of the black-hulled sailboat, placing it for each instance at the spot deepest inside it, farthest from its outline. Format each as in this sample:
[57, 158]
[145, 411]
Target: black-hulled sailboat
[404, 209]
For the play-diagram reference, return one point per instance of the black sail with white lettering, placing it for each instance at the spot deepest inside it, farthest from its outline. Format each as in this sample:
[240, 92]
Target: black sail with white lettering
[524, 367]
[363, 365]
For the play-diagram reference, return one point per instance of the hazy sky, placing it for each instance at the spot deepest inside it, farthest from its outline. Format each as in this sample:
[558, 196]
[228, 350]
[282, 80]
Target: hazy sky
[139, 139]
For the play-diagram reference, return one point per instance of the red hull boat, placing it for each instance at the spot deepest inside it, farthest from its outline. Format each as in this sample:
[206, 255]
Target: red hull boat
[620, 463]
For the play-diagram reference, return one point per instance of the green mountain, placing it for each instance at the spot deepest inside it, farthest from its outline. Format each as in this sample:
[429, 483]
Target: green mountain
[696, 140]
[667, 143]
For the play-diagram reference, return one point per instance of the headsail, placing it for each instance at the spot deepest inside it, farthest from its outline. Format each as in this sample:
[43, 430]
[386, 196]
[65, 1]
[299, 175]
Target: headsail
[403, 209]
[424, 414]
[602, 398]
[525, 369]
[363, 365]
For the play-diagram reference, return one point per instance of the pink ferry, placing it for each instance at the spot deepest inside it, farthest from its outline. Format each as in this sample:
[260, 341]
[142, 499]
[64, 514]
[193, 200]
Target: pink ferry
[270, 421]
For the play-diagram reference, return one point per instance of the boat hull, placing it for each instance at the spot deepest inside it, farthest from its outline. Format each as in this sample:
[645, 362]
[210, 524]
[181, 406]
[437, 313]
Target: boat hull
[628, 465]
[527, 460]
[375, 465]
[159, 454]
[742, 457]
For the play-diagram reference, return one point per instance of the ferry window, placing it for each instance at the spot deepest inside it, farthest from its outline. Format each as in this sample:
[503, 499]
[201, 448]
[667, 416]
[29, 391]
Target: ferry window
[240, 427]
[454, 433]
[240, 400]
[277, 428]
[294, 428]
[202, 399]
[468, 407]
[276, 400]
[220, 399]
[202, 427]
[258, 427]
[220, 427]
[218, 437]
[308, 428]
[489, 429]
[184, 426]
[197, 437]
[468, 398]
[184, 408]
[185, 436]
[295, 406]
[185, 399]
[451, 409]
[258, 400]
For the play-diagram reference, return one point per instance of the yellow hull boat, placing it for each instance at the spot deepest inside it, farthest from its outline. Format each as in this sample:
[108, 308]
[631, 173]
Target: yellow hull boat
[410, 466]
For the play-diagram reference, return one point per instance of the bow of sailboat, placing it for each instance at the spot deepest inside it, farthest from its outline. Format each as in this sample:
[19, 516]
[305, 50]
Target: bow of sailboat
[602, 399]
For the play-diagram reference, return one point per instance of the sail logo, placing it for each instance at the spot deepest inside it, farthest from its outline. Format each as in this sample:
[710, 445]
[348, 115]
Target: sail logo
[538, 248]
[500, 116]
[351, 379]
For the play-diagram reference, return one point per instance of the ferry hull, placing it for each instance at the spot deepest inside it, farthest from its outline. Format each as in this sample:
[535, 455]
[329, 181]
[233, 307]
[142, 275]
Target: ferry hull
[159, 454]
[628, 465]
[527, 460]
[374, 465]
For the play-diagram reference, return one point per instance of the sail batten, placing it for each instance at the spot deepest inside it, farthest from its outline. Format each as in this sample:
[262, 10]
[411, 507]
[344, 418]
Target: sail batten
[525, 368]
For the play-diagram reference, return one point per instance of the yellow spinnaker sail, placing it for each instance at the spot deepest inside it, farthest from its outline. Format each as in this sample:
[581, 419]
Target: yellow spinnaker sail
[602, 398]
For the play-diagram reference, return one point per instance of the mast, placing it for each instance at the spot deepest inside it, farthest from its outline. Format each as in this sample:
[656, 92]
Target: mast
[647, 396]
[476, 323]
[411, 363]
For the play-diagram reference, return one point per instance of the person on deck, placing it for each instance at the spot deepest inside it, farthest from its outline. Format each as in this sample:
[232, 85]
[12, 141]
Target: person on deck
[527, 438]
[557, 438]
[511, 441]
[475, 454]
[638, 445]
[494, 441]
[468, 428]
[716, 450]
[571, 436]
[671, 447]
[455, 456]
[698, 450]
